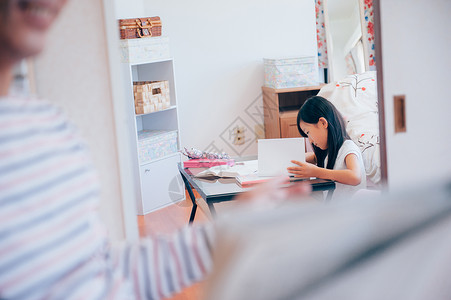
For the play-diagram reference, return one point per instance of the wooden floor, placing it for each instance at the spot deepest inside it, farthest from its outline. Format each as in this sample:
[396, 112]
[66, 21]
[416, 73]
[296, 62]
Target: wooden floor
[167, 220]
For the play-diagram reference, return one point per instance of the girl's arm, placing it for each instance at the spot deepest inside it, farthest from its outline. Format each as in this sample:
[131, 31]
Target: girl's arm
[310, 157]
[349, 176]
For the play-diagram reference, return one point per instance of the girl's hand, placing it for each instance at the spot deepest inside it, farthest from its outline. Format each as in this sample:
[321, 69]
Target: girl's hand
[303, 170]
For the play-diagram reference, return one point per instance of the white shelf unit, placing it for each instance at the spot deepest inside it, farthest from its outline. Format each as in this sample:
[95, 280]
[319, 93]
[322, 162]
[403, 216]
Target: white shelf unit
[160, 183]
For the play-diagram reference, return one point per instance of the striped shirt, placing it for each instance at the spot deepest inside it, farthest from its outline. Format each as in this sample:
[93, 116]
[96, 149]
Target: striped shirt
[52, 243]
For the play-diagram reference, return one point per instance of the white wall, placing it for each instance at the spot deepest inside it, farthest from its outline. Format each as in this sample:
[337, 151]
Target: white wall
[127, 9]
[218, 49]
[415, 46]
[73, 72]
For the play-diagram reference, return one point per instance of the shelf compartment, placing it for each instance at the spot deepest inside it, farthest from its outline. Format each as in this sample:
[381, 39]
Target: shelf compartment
[156, 112]
[161, 120]
[156, 71]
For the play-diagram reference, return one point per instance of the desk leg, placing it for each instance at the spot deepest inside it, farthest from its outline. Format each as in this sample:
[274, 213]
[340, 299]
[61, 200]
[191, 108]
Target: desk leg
[329, 195]
[193, 199]
[212, 209]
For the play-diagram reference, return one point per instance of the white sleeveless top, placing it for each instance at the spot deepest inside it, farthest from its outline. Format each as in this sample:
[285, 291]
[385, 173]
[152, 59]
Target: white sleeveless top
[341, 190]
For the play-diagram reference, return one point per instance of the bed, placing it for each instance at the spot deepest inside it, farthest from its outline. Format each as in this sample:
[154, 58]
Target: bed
[355, 97]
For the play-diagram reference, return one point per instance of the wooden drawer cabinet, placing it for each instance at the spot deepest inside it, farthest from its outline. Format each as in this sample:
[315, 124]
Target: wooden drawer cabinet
[281, 107]
[289, 127]
[288, 124]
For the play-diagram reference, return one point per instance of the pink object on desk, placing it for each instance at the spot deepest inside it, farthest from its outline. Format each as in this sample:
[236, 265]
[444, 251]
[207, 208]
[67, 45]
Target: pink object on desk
[248, 180]
[207, 163]
[252, 179]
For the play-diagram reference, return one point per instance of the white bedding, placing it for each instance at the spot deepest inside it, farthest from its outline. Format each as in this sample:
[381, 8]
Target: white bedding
[355, 97]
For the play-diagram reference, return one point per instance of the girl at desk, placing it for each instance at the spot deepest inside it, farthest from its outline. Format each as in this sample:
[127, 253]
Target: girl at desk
[335, 156]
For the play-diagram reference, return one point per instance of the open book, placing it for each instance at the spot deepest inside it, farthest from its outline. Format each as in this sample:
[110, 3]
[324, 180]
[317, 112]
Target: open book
[239, 169]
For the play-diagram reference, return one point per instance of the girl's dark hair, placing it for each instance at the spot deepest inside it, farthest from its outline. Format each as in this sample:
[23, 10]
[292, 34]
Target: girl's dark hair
[310, 112]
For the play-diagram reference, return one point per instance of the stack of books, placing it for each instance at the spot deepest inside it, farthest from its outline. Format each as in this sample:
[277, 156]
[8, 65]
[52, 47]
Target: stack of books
[207, 163]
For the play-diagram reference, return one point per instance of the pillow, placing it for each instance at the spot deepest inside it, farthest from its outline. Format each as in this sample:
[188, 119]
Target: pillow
[355, 97]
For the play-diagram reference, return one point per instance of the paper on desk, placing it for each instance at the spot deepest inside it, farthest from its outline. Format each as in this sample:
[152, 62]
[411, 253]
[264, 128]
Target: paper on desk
[239, 169]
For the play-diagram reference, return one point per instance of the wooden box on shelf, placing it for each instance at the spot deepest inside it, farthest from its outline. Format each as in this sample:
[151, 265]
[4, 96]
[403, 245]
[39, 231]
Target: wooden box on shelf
[280, 109]
[151, 96]
[139, 27]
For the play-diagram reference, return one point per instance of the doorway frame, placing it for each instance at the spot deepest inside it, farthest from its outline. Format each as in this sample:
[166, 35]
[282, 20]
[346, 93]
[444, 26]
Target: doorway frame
[380, 91]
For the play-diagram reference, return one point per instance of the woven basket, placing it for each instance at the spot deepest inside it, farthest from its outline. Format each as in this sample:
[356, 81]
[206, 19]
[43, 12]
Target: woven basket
[140, 27]
[151, 96]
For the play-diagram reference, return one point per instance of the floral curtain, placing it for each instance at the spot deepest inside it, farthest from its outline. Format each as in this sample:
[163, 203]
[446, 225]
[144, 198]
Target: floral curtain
[321, 34]
[369, 25]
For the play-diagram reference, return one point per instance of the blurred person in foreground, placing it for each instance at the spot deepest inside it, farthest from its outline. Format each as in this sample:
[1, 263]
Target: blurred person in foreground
[391, 246]
[52, 243]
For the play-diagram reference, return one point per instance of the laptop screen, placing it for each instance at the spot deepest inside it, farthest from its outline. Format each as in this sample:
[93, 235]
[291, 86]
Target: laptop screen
[275, 155]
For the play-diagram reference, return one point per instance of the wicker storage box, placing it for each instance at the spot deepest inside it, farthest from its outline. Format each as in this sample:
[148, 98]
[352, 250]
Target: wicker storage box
[151, 96]
[144, 50]
[155, 144]
[290, 72]
[140, 27]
